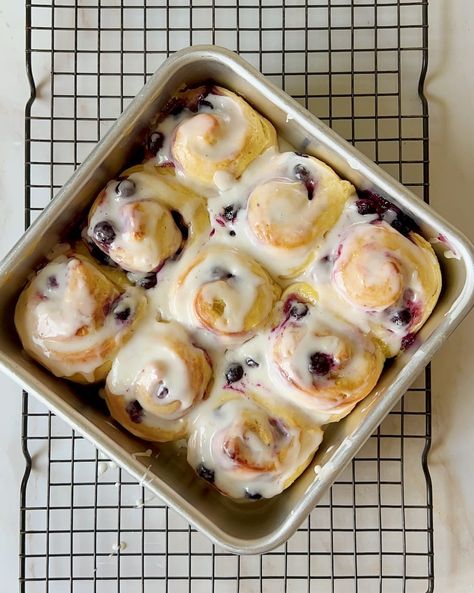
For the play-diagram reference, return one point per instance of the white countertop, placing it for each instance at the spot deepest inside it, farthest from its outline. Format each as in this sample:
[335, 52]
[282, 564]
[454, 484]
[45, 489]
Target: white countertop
[450, 89]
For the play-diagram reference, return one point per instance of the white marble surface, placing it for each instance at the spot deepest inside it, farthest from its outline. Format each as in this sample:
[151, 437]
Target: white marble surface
[450, 88]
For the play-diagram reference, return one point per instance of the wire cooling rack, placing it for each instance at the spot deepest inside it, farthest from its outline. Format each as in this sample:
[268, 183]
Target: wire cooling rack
[359, 65]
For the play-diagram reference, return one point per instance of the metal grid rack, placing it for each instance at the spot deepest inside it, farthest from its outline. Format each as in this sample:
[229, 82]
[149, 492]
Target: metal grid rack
[360, 66]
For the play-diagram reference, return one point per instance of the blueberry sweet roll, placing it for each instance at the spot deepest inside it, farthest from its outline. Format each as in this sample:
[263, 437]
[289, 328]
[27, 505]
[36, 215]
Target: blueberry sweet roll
[156, 380]
[144, 217]
[290, 210]
[73, 319]
[392, 280]
[325, 363]
[249, 448]
[226, 292]
[210, 132]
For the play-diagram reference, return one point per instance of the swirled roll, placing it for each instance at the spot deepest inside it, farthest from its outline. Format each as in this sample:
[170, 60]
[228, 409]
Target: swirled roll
[225, 291]
[156, 380]
[249, 448]
[72, 319]
[142, 218]
[327, 363]
[395, 279]
[211, 131]
[298, 204]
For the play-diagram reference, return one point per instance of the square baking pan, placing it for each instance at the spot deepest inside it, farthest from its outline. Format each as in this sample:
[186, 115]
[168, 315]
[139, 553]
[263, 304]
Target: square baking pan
[235, 526]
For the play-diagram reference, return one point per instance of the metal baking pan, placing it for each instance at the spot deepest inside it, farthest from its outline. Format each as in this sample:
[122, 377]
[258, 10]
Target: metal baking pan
[237, 527]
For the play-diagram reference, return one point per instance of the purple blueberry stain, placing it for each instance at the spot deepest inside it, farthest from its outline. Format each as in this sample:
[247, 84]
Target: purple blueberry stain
[408, 341]
[52, 282]
[320, 363]
[371, 203]
[279, 426]
[135, 411]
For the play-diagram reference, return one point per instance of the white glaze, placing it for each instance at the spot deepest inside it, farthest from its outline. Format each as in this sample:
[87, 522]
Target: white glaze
[276, 169]
[389, 266]
[145, 231]
[222, 430]
[51, 317]
[172, 300]
[237, 292]
[225, 119]
[155, 357]
[354, 358]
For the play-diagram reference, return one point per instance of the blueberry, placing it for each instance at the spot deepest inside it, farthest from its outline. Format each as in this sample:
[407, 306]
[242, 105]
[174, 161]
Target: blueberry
[125, 188]
[179, 222]
[232, 233]
[299, 310]
[218, 273]
[205, 473]
[230, 212]
[205, 103]
[250, 362]
[234, 373]
[302, 174]
[320, 363]
[52, 282]
[199, 100]
[155, 142]
[365, 206]
[252, 495]
[403, 224]
[99, 255]
[104, 232]
[161, 390]
[402, 317]
[123, 314]
[176, 106]
[148, 281]
[135, 411]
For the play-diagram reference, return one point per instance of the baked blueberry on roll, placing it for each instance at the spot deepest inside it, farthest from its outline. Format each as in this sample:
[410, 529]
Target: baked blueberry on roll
[156, 380]
[224, 291]
[326, 363]
[389, 280]
[142, 218]
[211, 133]
[250, 448]
[73, 320]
